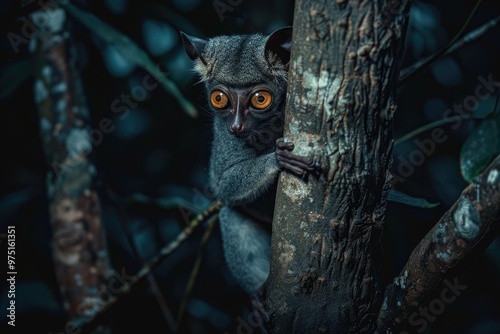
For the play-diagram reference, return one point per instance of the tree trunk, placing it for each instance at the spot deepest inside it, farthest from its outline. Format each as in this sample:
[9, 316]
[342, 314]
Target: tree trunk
[341, 99]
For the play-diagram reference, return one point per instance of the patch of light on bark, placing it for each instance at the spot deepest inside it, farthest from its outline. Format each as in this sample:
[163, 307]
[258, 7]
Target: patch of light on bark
[440, 234]
[52, 20]
[60, 108]
[60, 88]
[401, 280]
[47, 73]
[41, 91]
[78, 142]
[384, 304]
[330, 94]
[301, 140]
[445, 256]
[295, 189]
[493, 177]
[303, 226]
[45, 125]
[466, 219]
[287, 253]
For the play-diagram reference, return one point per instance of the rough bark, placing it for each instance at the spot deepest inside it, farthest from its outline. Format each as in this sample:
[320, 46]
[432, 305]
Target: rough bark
[341, 99]
[461, 234]
[78, 242]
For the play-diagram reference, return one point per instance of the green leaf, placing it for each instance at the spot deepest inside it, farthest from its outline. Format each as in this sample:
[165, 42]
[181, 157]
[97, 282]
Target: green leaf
[487, 108]
[400, 197]
[13, 75]
[132, 52]
[479, 149]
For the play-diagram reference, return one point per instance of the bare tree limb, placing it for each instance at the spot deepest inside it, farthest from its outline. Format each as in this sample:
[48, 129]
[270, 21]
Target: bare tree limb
[79, 249]
[460, 235]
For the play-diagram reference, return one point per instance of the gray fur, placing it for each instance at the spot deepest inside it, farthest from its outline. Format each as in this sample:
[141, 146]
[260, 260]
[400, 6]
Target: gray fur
[239, 173]
[243, 172]
[239, 60]
[247, 248]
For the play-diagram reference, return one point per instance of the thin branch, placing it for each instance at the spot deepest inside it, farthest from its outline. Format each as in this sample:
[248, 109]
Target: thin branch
[461, 234]
[194, 273]
[165, 310]
[429, 126]
[422, 65]
[210, 212]
[443, 121]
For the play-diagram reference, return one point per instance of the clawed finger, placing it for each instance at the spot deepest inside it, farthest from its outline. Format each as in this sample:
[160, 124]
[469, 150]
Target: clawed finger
[285, 145]
[306, 163]
[292, 168]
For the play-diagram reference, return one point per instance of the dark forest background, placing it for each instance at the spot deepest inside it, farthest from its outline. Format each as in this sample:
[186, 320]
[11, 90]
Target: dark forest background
[155, 160]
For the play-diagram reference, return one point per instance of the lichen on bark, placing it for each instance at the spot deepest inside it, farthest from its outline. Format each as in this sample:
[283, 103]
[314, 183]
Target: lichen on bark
[341, 93]
[78, 240]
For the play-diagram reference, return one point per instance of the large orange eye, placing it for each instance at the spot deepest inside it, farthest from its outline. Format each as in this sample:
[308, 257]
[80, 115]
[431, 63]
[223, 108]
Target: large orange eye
[261, 99]
[219, 99]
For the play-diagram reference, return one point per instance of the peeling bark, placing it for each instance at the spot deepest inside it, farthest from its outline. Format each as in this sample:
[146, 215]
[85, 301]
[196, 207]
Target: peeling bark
[341, 99]
[78, 241]
[461, 234]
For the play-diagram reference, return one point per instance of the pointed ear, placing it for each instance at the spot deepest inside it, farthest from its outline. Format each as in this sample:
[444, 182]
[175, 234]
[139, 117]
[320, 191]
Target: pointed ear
[280, 44]
[193, 46]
